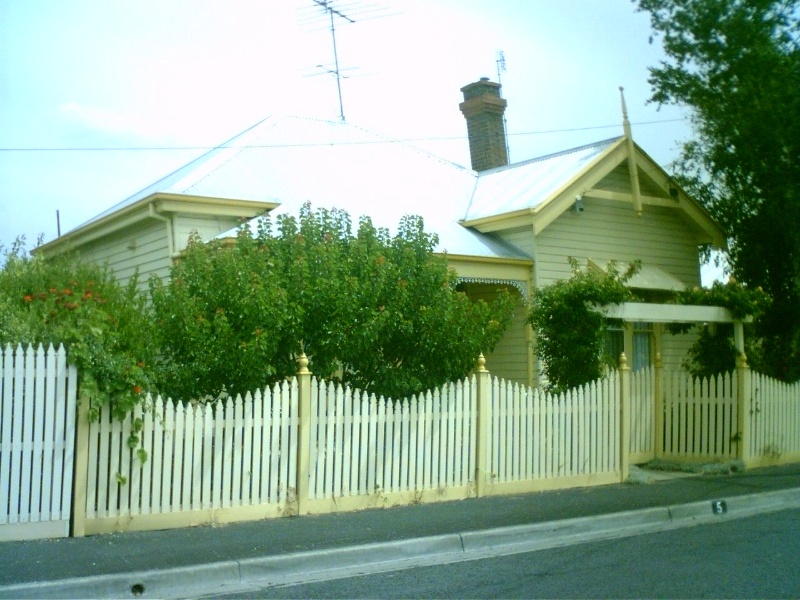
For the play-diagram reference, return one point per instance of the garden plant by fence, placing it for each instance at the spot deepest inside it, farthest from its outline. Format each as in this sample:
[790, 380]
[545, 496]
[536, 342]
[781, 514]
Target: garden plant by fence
[309, 446]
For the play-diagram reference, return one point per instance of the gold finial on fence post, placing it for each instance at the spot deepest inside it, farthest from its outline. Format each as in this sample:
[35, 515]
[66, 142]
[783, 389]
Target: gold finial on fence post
[483, 419]
[302, 364]
[624, 416]
[303, 433]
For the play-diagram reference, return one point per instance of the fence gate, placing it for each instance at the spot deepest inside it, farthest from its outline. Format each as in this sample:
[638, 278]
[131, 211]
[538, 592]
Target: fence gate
[37, 438]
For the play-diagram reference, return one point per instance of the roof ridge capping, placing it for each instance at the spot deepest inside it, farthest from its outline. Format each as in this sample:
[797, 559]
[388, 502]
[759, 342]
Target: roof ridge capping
[606, 142]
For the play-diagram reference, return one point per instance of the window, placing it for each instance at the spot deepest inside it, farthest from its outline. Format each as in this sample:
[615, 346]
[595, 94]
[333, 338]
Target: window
[640, 356]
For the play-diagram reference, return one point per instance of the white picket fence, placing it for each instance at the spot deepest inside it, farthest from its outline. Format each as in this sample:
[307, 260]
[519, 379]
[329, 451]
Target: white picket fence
[243, 459]
[701, 417]
[541, 436]
[774, 427]
[218, 463]
[37, 429]
[362, 445]
[643, 390]
[205, 462]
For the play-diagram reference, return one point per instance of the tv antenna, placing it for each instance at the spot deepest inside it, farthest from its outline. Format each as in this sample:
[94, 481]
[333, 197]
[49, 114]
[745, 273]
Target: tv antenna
[333, 16]
[500, 62]
[332, 12]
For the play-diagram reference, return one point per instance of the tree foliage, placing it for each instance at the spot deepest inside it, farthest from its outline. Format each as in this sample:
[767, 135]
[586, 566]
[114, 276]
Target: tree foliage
[378, 312]
[570, 334]
[106, 328]
[736, 64]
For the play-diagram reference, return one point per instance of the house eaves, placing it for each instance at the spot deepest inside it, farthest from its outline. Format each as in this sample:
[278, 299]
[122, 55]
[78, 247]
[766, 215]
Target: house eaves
[145, 208]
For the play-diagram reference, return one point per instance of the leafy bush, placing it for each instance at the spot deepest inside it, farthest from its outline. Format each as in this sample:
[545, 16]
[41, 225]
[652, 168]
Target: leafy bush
[106, 329]
[570, 335]
[380, 313]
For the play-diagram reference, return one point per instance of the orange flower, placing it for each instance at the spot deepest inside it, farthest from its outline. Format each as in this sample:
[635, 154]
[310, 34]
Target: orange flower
[137, 389]
[28, 298]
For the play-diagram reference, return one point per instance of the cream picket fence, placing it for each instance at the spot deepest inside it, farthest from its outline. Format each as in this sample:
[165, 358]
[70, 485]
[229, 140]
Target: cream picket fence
[242, 459]
[548, 441]
[643, 393]
[774, 428]
[37, 439]
[206, 463]
[368, 451]
[701, 418]
[308, 446]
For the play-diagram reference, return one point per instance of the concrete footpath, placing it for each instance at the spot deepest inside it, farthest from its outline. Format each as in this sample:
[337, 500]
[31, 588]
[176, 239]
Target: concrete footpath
[203, 560]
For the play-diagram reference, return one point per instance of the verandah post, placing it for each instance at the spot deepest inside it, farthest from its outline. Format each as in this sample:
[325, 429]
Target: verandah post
[483, 421]
[743, 402]
[303, 433]
[624, 416]
[80, 471]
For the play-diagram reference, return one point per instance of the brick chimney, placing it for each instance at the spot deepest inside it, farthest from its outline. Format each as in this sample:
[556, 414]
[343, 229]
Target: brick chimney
[483, 108]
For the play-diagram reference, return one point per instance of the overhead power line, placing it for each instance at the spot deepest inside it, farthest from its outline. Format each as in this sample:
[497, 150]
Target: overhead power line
[372, 142]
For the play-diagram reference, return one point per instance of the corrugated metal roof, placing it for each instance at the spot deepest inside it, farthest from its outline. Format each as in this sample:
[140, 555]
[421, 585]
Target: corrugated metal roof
[528, 184]
[292, 160]
[365, 174]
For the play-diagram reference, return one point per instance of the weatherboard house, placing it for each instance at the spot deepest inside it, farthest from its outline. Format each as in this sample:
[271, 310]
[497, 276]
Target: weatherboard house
[500, 225]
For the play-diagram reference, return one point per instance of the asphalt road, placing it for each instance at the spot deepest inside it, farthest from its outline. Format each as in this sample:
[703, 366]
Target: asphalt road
[755, 557]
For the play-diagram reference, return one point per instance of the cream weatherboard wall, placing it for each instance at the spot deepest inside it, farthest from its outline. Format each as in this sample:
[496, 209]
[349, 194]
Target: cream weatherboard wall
[143, 247]
[611, 231]
[150, 246]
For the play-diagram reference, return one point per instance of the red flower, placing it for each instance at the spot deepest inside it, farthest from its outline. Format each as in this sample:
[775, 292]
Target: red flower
[87, 294]
[28, 298]
[137, 389]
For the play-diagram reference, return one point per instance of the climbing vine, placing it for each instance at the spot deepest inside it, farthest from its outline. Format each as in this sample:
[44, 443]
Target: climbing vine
[714, 351]
[570, 334]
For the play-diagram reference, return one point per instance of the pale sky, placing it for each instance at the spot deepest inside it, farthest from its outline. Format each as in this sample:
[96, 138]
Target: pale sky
[193, 73]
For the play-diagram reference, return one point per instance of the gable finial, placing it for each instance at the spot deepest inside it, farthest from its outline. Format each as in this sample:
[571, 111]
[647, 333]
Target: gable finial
[632, 168]
[626, 124]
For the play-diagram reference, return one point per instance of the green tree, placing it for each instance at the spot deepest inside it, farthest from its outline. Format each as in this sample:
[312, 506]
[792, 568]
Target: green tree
[106, 329]
[372, 310]
[570, 334]
[736, 64]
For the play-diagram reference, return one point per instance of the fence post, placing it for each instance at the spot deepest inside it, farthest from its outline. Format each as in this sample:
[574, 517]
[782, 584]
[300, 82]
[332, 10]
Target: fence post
[624, 416]
[80, 477]
[483, 424]
[658, 407]
[743, 401]
[303, 433]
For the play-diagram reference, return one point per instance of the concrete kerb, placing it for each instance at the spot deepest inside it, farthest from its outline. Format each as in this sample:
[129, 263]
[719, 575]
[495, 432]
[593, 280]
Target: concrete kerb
[335, 563]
